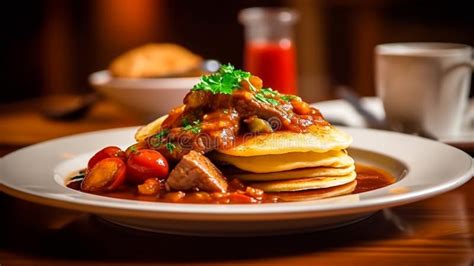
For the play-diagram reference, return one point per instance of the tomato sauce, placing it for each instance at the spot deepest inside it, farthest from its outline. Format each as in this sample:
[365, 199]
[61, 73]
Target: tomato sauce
[368, 178]
[274, 63]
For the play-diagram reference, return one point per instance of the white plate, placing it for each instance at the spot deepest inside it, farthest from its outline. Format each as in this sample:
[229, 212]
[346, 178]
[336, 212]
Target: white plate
[343, 112]
[424, 168]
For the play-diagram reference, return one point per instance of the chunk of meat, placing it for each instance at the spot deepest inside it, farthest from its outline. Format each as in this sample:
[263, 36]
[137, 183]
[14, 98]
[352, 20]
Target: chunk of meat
[195, 171]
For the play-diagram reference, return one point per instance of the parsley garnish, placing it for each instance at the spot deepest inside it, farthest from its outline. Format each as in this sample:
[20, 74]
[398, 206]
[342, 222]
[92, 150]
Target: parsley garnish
[185, 121]
[133, 149]
[224, 81]
[287, 97]
[228, 79]
[159, 137]
[170, 147]
[194, 127]
[265, 95]
[163, 133]
[269, 91]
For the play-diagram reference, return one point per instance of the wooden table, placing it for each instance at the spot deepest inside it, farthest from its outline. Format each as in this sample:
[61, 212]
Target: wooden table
[437, 231]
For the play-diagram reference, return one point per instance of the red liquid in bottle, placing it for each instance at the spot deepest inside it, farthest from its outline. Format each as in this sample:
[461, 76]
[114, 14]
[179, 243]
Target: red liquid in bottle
[274, 63]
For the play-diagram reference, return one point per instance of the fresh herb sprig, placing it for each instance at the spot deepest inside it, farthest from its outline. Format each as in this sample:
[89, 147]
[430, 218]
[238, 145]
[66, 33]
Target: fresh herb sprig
[160, 139]
[194, 127]
[228, 79]
[287, 97]
[224, 81]
[267, 95]
[170, 146]
[163, 133]
[133, 149]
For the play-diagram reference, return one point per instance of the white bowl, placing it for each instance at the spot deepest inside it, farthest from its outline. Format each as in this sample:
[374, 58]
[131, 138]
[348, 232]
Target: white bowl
[150, 97]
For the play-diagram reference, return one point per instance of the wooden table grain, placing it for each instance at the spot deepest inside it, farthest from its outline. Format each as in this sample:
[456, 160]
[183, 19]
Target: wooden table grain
[436, 231]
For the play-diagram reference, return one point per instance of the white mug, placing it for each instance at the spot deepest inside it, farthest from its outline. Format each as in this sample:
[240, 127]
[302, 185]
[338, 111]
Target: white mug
[424, 86]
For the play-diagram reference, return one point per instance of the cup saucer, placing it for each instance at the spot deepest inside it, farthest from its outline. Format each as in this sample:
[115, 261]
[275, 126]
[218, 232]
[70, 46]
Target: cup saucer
[340, 111]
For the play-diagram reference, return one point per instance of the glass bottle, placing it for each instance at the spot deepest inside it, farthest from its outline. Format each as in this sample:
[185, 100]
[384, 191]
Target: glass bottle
[269, 47]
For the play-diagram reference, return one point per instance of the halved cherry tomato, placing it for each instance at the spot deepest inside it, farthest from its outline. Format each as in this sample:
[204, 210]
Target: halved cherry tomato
[106, 175]
[144, 164]
[135, 147]
[107, 152]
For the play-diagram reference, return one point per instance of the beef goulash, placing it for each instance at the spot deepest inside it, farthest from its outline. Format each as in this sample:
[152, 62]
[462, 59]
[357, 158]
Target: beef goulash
[232, 141]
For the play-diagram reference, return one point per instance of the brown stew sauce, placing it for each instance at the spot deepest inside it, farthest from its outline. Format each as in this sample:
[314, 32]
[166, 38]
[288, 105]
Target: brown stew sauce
[368, 178]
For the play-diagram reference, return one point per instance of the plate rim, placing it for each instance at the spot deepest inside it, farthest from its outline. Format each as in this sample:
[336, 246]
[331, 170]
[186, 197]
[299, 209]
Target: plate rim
[235, 211]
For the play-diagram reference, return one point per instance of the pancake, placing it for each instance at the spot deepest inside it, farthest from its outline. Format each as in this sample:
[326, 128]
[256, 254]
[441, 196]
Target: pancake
[304, 183]
[317, 139]
[294, 166]
[288, 161]
[292, 174]
[149, 129]
[315, 194]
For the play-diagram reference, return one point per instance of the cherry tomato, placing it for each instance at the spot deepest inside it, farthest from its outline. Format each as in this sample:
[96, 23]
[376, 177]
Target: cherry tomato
[106, 175]
[144, 164]
[107, 152]
[135, 147]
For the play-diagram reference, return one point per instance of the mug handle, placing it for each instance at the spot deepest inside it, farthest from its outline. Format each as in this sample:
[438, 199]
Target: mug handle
[469, 115]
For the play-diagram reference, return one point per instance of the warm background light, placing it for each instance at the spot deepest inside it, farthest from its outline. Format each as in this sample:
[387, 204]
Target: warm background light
[53, 45]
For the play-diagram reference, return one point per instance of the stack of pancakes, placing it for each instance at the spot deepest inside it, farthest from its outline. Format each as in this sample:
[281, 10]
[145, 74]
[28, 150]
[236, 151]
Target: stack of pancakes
[293, 166]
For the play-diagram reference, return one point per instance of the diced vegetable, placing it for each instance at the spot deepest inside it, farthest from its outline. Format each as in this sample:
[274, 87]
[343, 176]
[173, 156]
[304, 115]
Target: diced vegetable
[300, 107]
[254, 192]
[258, 125]
[151, 186]
[200, 196]
[174, 196]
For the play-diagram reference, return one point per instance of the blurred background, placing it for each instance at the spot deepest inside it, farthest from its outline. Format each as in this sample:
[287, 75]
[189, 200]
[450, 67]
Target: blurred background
[50, 47]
